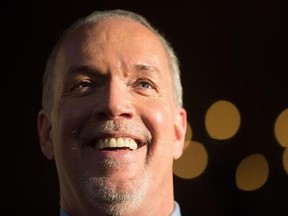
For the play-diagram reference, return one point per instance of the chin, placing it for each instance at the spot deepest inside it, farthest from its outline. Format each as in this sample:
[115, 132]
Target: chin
[115, 197]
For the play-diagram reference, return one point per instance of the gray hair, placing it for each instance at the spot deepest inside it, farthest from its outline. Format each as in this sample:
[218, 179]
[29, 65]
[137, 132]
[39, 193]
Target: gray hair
[96, 16]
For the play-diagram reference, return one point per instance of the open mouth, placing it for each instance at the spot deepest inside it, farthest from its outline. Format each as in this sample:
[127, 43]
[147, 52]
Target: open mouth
[117, 143]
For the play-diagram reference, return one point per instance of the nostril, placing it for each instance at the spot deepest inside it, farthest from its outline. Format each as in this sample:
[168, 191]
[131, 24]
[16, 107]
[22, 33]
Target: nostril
[108, 113]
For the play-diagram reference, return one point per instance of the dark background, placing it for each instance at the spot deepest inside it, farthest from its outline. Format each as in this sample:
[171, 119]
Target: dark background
[232, 50]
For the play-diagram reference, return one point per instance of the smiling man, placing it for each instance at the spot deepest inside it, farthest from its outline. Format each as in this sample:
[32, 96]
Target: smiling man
[112, 117]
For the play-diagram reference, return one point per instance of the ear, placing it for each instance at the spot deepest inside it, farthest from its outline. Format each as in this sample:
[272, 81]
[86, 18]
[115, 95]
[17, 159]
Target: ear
[180, 127]
[44, 127]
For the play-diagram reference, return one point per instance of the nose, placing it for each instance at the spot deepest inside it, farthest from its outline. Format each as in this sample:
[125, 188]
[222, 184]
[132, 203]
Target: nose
[115, 101]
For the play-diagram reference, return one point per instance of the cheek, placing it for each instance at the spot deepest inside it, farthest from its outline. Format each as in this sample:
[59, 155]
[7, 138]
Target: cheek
[161, 150]
[159, 117]
[162, 114]
[161, 122]
[73, 115]
[68, 124]
[66, 129]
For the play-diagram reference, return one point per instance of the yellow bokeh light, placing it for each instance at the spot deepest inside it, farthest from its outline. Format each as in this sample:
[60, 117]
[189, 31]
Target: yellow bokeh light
[281, 128]
[285, 159]
[252, 173]
[193, 161]
[188, 136]
[222, 120]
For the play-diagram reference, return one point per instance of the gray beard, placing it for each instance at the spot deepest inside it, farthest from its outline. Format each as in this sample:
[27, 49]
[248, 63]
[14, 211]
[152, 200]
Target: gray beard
[111, 199]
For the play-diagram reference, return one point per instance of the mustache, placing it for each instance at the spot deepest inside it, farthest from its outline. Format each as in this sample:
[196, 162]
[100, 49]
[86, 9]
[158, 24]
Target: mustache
[104, 128]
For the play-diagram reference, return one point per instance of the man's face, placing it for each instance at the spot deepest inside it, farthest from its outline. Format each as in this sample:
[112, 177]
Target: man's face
[115, 127]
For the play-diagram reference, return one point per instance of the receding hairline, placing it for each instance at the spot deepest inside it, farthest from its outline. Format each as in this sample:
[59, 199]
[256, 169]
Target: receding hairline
[94, 18]
[112, 22]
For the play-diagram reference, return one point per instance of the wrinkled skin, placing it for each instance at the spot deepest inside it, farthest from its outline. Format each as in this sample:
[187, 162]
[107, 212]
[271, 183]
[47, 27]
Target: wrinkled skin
[113, 80]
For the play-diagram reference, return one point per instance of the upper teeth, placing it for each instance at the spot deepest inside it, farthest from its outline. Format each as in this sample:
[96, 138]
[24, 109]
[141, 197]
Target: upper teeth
[116, 143]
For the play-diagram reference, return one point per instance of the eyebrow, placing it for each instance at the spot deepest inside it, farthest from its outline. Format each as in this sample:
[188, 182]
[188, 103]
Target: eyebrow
[83, 69]
[145, 67]
[93, 71]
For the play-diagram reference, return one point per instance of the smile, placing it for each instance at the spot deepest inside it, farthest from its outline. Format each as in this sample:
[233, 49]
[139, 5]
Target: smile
[114, 143]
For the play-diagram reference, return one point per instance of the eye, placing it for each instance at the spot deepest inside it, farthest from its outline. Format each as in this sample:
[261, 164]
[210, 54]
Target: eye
[144, 84]
[81, 85]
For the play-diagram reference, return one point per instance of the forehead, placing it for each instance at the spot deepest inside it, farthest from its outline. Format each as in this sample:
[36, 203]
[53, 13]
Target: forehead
[113, 33]
[111, 45]
[124, 27]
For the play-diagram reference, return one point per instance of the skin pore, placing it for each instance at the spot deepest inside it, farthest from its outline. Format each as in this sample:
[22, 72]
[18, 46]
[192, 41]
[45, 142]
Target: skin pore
[115, 127]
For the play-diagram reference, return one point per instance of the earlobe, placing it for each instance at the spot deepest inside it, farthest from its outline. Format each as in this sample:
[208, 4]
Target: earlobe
[180, 127]
[44, 131]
